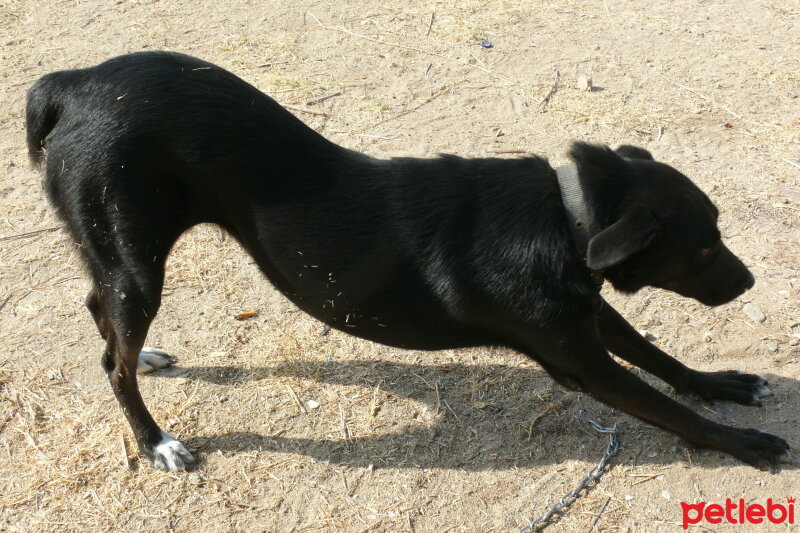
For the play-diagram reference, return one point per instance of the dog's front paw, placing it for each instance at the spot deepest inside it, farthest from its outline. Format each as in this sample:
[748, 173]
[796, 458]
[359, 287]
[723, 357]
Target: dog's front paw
[152, 359]
[759, 449]
[170, 455]
[731, 385]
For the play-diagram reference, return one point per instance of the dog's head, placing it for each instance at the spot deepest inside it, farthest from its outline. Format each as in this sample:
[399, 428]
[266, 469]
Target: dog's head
[656, 227]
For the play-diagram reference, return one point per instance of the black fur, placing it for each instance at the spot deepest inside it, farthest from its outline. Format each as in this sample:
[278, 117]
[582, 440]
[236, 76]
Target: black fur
[415, 253]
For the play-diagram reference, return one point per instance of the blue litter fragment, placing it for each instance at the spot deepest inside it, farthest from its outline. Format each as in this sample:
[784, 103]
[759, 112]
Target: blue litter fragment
[487, 44]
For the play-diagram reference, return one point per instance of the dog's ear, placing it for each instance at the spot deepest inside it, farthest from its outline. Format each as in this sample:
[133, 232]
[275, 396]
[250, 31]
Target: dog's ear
[633, 152]
[630, 234]
[595, 159]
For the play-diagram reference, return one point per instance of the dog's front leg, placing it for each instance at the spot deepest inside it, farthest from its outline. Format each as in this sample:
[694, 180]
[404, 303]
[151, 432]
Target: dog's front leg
[623, 340]
[578, 357]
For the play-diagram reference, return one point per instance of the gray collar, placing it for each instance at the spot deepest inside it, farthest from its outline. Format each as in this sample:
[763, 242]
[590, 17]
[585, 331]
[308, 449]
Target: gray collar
[581, 223]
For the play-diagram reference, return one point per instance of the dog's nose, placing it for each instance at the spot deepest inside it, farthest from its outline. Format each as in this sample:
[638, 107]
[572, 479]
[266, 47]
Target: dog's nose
[749, 281]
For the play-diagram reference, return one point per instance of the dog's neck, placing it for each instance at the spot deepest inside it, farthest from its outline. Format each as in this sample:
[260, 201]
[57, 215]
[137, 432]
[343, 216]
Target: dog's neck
[582, 224]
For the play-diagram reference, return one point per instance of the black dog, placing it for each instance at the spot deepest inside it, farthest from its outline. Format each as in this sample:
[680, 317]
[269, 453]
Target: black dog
[415, 253]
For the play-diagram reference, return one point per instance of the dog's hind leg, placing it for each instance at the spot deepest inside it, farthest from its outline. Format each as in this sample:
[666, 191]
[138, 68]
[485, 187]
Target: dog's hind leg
[129, 294]
[124, 301]
[150, 359]
[125, 221]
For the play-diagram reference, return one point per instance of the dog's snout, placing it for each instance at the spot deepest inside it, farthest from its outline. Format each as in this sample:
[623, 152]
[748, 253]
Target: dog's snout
[749, 281]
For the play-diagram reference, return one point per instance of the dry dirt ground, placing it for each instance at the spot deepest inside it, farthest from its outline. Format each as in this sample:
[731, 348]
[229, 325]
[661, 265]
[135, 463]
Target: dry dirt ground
[469, 440]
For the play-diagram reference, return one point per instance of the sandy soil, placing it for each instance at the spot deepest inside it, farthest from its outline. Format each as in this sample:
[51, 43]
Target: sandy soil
[468, 440]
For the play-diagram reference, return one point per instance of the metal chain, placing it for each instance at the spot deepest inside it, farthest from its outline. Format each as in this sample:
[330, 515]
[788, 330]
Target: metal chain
[592, 478]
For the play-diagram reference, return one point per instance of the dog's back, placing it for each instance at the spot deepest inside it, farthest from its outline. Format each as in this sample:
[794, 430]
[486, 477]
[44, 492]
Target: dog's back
[144, 146]
[189, 108]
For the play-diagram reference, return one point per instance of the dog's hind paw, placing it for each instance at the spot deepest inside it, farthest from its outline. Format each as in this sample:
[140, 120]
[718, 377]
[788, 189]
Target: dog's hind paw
[151, 359]
[170, 455]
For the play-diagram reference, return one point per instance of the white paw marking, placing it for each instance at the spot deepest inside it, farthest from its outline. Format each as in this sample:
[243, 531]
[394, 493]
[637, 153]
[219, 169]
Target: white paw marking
[151, 359]
[170, 455]
[157, 351]
[763, 391]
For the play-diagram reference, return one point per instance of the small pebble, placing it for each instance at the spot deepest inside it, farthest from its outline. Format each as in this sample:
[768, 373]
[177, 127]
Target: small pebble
[752, 311]
[584, 83]
[707, 336]
[486, 44]
[772, 347]
[666, 495]
[312, 404]
[628, 497]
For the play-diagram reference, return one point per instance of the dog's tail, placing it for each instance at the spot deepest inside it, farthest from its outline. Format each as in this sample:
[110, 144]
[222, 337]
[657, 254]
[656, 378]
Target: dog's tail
[46, 101]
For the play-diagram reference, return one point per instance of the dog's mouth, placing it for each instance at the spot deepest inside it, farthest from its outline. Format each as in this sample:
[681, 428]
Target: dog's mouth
[711, 292]
[714, 301]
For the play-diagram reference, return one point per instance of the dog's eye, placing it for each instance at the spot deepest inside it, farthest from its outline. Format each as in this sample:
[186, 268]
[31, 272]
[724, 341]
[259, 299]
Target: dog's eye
[711, 249]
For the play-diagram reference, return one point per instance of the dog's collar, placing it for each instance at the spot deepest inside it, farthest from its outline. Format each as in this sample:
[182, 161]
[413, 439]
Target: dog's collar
[581, 223]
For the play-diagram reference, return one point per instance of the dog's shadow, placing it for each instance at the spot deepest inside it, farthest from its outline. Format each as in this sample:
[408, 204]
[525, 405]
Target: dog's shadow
[485, 417]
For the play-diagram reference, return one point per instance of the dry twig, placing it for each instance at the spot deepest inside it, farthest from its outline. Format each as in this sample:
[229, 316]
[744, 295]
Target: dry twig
[29, 234]
[304, 110]
[322, 98]
[514, 151]
[426, 102]
[552, 90]
[600, 512]
[796, 165]
[296, 399]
